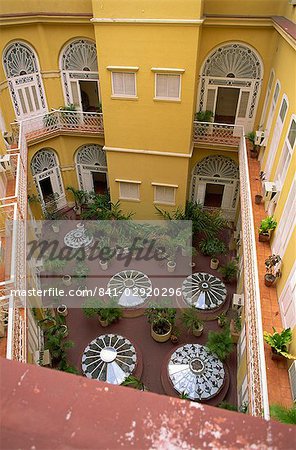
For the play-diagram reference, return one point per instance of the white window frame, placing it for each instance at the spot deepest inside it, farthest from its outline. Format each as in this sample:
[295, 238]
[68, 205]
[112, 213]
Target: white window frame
[271, 112]
[164, 185]
[276, 137]
[267, 97]
[123, 70]
[281, 173]
[286, 223]
[167, 71]
[130, 199]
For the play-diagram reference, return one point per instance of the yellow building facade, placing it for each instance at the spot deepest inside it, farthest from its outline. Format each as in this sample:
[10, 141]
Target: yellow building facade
[144, 69]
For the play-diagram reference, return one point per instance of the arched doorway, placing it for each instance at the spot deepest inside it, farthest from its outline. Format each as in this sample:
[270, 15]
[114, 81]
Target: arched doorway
[47, 177]
[215, 184]
[24, 80]
[92, 171]
[80, 78]
[230, 83]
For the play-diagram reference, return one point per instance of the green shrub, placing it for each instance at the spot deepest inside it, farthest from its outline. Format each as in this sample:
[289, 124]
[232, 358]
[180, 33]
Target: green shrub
[282, 414]
[220, 343]
[212, 247]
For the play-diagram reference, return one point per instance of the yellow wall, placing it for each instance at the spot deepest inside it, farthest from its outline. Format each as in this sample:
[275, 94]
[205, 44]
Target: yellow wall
[249, 7]
[152, 169]
[145, 123]
[65, 147]
[147, 9]
[57, 6]
[47, 40]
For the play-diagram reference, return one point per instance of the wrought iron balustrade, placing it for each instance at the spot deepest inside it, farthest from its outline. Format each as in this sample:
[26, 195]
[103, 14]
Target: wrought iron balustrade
[217, 133]
[59, 121]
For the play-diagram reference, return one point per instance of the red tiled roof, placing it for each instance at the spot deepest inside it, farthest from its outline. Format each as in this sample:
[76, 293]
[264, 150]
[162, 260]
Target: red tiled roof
[46, 409]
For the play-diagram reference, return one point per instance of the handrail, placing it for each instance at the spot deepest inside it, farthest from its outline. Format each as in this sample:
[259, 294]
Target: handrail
[257, 379]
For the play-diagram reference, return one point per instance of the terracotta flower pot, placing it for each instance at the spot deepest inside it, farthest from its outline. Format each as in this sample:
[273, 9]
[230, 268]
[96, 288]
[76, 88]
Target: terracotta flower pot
[269, 279]
[171, 266]
[197, 331]
[264, 237]
[214, 263]
[161, 337]
[103, 323]
[62, 310]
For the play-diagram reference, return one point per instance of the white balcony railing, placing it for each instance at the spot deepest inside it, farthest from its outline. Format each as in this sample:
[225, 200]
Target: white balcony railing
[257, 380]
[58, 121]
[217, 133]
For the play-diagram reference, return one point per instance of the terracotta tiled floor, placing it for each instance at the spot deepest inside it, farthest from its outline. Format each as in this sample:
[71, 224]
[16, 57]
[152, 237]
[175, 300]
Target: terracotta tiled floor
[277, 373]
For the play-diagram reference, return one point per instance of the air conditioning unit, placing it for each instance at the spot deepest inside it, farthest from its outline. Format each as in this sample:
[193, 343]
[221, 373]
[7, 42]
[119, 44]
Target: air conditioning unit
[259, 138]
[292, 377]
[237, 301]
[42, 358]
[5, 164]
[269, 191]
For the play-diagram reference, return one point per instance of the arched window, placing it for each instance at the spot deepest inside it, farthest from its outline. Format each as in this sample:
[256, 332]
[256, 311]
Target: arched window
[215, 184]
[24, 80]
[47, 177]
[79, 67]
[230, 83]
[91, 167]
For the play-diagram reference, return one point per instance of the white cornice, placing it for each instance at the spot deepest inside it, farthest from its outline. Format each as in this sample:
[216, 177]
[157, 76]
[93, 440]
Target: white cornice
[123, 68]
[146, 152]
[111, 20]
[167, 69]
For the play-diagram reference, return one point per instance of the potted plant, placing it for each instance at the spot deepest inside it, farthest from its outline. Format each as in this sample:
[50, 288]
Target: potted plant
[192, 322]
[55, 265]
[273, 272]
[235, 329]
[171, 250]
[67, 280]
[212, 247]
[96, 307]
[220, 343]
[251, 138]
[229, 271]
[267, 225]
[258, 199]
[80, 198]
[222, 320]
[279, 343]
[62, 310]
[175, 335]
[161, 321]
[104, 243]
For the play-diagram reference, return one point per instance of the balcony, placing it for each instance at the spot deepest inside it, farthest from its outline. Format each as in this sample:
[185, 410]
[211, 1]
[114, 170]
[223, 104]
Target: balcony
[58, 122]
[206, 133]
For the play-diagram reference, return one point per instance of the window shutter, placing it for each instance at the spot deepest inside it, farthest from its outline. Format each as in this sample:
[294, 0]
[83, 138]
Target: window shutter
[129, 81]
[283, 110]
[164, 194]
[161, 85]
[243, 105]
[173, 86]
[129, 191]
[292, 134]
[168, 86]
[211, 97]
[75, 94]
